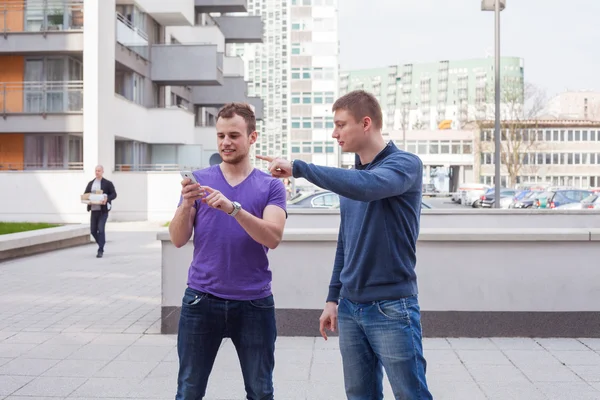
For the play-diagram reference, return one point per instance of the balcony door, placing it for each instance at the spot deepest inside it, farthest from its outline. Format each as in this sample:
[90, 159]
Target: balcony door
[49, 86]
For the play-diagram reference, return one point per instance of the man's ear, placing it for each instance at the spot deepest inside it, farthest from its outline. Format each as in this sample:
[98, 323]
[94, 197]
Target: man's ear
[253, 137]
[367, 122]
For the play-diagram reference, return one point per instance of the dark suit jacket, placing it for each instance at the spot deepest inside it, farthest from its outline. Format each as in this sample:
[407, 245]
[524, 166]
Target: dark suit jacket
[108, 188]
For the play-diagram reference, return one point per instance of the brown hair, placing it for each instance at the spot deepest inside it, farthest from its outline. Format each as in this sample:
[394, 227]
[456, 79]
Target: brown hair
[243, 110]
[360, 104]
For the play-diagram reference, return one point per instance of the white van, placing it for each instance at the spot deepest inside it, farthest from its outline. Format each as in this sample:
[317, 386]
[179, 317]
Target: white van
[470, 192]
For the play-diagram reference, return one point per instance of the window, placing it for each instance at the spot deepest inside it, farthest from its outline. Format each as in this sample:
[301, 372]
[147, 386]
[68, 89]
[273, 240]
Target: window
[467, 148]
[329, 123]
[47, 151]
[295, 27]
[455, 148]
[444, 147]
[329, 99]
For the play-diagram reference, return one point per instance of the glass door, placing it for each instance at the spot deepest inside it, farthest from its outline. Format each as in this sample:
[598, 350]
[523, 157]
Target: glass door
[32, 87]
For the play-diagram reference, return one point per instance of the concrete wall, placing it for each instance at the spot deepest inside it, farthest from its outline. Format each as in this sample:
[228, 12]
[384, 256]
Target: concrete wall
[510, 282]
[54, 196]
[463, 218]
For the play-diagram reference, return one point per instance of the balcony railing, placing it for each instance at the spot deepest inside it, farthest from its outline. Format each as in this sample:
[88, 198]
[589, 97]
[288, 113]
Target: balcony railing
[132, 37]
[40, 16]
[154, 167]
[41, 166]
[46, 97]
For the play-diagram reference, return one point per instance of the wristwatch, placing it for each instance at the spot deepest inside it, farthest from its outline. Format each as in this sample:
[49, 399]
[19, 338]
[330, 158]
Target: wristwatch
[236, 208]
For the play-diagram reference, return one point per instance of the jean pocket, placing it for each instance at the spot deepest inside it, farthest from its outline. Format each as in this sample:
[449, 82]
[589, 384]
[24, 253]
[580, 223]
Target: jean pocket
[265, 302]
[192, 297]
[393, 309]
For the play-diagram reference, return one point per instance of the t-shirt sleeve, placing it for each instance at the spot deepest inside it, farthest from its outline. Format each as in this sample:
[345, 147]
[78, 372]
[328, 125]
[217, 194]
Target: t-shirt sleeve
[277, 194]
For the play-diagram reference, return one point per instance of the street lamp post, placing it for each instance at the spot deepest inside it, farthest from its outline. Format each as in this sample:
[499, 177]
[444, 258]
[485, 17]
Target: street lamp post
[496, 6]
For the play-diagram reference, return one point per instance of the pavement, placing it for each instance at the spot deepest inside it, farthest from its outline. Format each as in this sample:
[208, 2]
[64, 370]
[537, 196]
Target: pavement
[76, 327]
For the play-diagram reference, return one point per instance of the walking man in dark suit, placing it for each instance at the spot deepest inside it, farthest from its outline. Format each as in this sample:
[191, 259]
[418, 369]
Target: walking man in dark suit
[100, 212]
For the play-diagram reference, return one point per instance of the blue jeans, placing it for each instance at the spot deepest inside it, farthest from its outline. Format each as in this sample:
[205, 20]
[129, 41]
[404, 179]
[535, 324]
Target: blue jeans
[97, 227]
[205, 320]
[382, 334]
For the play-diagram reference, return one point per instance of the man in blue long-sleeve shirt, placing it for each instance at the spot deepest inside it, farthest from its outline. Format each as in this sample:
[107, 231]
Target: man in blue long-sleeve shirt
[373, 290]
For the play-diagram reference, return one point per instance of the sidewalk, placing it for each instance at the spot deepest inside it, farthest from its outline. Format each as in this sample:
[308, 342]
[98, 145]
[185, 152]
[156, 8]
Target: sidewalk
[76, 327]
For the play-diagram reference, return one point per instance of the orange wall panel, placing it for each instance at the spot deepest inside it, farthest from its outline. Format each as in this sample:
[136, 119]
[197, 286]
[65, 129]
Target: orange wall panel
[12, 16]
[12, 73]
[12, 150]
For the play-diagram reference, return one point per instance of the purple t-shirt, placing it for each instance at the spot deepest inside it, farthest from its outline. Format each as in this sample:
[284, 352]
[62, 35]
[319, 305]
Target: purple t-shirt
[227, 262]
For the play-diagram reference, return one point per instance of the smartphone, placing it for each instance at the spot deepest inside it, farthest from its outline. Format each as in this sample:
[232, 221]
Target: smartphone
[190, 175]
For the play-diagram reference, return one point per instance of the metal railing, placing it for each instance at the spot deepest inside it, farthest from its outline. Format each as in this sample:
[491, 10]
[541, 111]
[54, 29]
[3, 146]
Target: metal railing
[40, 166]
[41, 97]
[154, 167]
[132, 37]
[40, 16]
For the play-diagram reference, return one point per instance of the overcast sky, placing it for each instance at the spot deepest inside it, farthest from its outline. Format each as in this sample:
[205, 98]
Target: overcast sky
[558, 39]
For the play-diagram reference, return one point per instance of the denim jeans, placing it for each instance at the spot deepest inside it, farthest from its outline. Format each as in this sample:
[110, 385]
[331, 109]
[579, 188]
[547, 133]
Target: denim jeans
[205, 320]
[97, 227]
[382, 334]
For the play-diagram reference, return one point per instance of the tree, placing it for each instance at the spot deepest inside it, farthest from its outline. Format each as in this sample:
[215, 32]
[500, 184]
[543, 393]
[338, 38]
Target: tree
[521, 105]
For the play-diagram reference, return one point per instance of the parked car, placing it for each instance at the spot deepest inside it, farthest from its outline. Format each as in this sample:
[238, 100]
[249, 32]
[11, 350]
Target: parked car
[323, 199]
[592, 202]
[525, 201]
[489, 198]
[469, 193]
[557, 198]
[320, 199]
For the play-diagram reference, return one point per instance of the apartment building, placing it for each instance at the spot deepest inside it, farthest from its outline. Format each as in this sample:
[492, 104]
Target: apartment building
[267, 71]
[580, 105]
[295, 72]
[446, 94]
[131, 85]
[314, 80]
[559, 152]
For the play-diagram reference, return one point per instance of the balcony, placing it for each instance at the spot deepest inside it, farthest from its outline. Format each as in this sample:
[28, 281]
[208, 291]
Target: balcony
[259, 107]
[221, 6]
[41, 107]
[173, 125]
[186, 65]
[241, 29]
[233, 66]
[132, 37]
[205, 34]
[171, 12]
[27, 27]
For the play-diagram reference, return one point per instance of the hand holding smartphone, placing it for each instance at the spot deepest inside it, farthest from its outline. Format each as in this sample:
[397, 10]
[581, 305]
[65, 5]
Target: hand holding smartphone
[190, 191]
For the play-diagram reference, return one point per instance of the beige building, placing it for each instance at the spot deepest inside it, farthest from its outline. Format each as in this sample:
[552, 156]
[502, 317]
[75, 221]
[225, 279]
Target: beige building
[582, 105]
[560, 152]
[447, 155]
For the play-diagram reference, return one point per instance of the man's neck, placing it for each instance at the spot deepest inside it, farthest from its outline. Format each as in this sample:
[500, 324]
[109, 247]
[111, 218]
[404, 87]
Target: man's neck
[370, 152]
[239, 170]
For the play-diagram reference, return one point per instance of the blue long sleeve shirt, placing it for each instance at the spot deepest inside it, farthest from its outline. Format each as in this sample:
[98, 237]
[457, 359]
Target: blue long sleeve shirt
[380, 208]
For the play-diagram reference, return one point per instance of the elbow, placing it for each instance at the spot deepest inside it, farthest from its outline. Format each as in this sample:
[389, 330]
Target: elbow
[274, 243]
[178, 244]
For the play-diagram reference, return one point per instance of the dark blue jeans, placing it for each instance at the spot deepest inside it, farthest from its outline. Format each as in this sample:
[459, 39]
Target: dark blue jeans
[205, 320]
[382, 334]
[97, 227]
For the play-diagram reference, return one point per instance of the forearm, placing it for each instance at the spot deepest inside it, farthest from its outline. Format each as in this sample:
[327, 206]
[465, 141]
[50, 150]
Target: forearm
[335, 285]
[182, 225]
[264, 232]
[355, 184]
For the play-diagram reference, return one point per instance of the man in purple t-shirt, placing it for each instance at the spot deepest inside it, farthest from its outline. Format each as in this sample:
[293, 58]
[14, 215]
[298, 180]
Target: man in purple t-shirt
[237, 213]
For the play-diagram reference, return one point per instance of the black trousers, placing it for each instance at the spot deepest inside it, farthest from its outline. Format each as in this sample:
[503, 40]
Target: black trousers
[97, 225]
